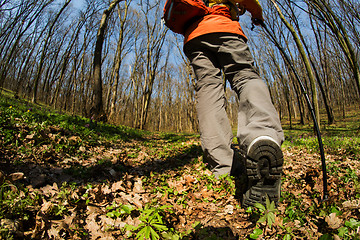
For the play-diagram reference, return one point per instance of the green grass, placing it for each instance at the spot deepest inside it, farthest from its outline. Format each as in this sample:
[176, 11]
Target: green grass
[341, 137]
[39, 117]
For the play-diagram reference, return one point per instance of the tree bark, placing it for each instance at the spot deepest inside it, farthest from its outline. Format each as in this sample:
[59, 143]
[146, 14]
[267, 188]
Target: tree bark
[155, 40]
[118, 60]
[97, 110]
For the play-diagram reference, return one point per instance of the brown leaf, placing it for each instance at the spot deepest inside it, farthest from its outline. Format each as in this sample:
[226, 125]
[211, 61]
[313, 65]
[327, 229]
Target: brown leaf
[201, 215]
[189, 180]
[42, 219]
[297, 223]
[49, 190]
[178, 185]
[117, 186]
[138, 187]
[53, 232]
[182, 220]
[16, 176]
[205, 193]
[229, 209]
[318, 186]
[106, 220]
[333, 221]
[93, 228]
[106, 190]
[91, 210]
[46, 208]
[97, 194]
[82, 149]
[354, 204]
[69, 220]
[181, 188]
[172, 184]
[30, 136]
[129, 184]
[208, 172]
[74, 139]
[137, 201]
[119, 223]
[336, 237]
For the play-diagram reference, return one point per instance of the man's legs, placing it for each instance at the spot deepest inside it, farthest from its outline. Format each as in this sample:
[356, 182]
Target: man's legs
[257, 115]
[259, 128]
[215, 129]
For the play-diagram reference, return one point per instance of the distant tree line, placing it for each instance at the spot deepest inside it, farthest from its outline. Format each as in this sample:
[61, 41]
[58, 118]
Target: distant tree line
[115, 61]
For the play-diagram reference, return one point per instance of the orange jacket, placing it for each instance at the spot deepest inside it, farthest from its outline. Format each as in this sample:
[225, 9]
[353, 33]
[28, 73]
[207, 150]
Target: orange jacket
[220, 21]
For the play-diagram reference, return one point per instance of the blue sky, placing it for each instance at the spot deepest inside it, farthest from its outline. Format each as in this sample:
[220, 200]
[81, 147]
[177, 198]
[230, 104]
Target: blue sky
[77, 3]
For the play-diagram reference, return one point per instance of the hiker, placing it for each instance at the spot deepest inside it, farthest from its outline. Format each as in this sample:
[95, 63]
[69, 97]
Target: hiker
[216, 45]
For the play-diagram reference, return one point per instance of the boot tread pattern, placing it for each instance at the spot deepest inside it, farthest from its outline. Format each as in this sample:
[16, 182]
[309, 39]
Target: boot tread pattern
[264, 168]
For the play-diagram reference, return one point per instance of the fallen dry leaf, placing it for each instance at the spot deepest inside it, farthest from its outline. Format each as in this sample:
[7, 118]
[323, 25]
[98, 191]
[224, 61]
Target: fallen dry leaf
[229, 209]
[16, 176]
[138, 187]
[189, 180]
[50, 190]
[354, 204]
[333, 221]
[117, 186]
[93, 227]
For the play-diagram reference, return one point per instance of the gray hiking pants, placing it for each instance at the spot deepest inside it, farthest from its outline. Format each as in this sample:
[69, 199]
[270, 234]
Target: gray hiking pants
[209, 54]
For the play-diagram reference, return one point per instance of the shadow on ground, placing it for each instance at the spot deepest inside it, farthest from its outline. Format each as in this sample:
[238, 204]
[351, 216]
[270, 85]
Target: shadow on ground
[39, 173]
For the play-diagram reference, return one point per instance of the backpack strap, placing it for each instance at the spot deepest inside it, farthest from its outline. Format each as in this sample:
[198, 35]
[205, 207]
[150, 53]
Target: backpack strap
[233, 7]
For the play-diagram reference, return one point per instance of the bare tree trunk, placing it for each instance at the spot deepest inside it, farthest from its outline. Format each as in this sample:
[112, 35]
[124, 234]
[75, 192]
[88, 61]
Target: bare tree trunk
[52, 70]
[28, 58]
[71, 88]
[98, 112]
[189, 91]
[155, 41]
[286, 87]
[135, 80]
[118, 60]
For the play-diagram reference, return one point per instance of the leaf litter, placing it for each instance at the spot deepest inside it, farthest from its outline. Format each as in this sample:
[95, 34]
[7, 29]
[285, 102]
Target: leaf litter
[86, 190]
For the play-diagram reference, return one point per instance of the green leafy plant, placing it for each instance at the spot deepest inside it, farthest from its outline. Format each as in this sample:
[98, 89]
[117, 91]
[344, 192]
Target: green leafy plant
[349, 231]
[15, 201]
[256, 233]
[59, 210]
[268, 212]
[152, 225]
[115, 211]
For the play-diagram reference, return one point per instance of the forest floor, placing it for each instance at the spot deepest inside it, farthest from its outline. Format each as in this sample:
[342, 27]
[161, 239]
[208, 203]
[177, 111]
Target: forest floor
[66, 177]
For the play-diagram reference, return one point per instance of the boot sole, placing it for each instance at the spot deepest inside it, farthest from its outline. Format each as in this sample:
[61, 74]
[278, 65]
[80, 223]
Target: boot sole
[264, 168]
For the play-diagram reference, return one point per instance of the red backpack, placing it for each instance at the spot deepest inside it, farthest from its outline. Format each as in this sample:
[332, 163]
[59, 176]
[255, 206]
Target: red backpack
[179, 14]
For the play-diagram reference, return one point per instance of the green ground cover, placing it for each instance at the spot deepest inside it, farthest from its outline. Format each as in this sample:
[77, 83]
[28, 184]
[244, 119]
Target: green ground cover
[67, 177]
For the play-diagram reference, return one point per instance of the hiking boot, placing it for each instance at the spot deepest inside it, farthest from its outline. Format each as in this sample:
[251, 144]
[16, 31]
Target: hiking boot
[239, 160]
[264, 162]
